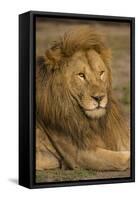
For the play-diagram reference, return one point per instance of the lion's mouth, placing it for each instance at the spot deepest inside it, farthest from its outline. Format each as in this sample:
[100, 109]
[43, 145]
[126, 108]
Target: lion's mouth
[96, 108]
[96, 112]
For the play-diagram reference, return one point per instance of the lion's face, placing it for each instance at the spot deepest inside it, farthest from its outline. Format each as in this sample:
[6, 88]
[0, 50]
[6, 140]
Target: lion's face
[88, 82]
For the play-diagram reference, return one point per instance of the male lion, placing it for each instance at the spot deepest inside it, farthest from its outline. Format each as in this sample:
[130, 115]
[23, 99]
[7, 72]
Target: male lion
[79, 123]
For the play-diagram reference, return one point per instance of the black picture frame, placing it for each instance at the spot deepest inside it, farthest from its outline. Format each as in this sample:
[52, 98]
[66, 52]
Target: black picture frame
[27, 98]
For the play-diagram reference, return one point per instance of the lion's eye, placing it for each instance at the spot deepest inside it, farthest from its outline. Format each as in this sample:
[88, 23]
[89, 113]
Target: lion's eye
[82, 75]
[102, 73]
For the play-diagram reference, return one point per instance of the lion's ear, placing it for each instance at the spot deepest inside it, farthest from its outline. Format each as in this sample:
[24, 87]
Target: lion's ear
[53, 56]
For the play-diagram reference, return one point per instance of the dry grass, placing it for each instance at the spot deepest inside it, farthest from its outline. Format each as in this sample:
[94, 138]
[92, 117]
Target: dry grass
[77, 174]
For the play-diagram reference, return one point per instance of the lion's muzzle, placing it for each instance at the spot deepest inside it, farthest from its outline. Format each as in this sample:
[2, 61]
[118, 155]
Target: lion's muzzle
[96, 106]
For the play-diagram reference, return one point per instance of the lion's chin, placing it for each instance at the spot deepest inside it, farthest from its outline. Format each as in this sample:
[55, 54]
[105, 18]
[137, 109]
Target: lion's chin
[96, 113]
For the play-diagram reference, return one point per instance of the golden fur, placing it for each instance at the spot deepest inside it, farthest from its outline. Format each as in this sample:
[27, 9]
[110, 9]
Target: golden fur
[75, 128]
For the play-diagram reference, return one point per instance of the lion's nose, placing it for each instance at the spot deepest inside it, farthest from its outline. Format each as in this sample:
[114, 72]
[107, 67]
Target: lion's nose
[98, 98]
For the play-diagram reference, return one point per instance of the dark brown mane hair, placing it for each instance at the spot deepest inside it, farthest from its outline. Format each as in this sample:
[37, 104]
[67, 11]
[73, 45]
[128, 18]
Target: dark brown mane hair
[55, 108]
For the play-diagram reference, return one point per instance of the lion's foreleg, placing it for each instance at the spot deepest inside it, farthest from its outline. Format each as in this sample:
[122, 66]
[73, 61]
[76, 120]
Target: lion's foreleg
[102, 159]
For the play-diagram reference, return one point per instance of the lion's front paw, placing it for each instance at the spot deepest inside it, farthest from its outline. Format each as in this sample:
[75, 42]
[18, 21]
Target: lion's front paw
[125, 160]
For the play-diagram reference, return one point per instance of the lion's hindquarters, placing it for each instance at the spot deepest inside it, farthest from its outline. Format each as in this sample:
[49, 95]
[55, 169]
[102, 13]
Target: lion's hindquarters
[46, 160]
[46, 156]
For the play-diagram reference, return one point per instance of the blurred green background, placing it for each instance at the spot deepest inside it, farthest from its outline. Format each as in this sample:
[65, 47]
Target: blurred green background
[118, 37]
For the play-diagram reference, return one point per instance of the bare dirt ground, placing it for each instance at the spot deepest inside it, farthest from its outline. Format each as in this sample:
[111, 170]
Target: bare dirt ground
[118, 37]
